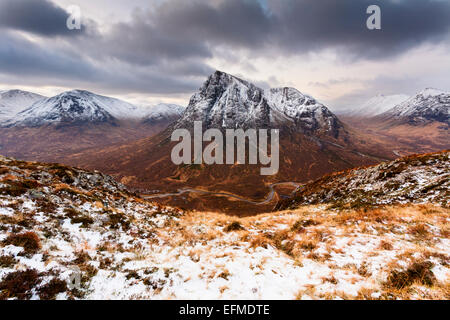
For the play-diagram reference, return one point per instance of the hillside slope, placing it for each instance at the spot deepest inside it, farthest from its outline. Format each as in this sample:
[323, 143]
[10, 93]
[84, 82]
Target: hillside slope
[416, 178]
[66, 233]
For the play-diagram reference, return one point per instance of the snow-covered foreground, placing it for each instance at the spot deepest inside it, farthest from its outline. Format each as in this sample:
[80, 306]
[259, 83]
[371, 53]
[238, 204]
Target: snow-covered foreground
[59, 223]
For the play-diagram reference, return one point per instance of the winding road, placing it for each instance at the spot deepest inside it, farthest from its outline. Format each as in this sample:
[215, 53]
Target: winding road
[268, 199]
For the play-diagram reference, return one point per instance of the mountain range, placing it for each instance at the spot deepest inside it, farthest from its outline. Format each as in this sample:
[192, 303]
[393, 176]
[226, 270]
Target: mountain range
[419, 124]
[133, 143]
[76, 107]
[40, 128]
[313, 142]
[427, 106]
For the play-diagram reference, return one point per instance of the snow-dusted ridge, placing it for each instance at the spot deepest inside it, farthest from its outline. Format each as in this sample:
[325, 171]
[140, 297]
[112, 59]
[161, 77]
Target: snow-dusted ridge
[14, 101]
[163, 112]
[76, 106]
[417, 178]
[428, 105]
[377, 105]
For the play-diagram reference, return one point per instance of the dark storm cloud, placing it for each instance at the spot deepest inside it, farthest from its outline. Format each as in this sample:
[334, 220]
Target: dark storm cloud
[36, 16]
[184, 29]
[341, 24]
[200, 30]
[24, 57]
[167, 48]
[29, 63]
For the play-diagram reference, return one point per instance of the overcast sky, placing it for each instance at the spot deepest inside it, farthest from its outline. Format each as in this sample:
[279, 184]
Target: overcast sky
[150, 51]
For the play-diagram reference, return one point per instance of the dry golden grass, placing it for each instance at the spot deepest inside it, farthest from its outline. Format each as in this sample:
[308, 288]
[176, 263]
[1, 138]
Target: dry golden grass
[300, 233]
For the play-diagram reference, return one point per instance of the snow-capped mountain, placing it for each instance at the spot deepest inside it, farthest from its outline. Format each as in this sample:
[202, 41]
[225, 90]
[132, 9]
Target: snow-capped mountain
[377, 105]
[14, 101]
[288, 105]
[75, 107]
[428, 105]
[163, 113]
[225, 101]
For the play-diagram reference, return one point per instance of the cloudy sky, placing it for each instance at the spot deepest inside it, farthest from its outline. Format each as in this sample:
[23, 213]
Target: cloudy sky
[149, 51]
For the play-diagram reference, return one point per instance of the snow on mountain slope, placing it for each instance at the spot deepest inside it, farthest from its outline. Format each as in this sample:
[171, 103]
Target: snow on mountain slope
[300, 109]
[14, 101]
[428, 105]
[77, 106]
[417, 178]
[225, 101]
[163, 112]
[377, 105]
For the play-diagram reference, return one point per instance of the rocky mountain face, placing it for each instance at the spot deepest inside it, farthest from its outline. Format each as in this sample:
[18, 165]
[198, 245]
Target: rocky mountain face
[14, 101]
[225, 101]
[75, 107]
[418, 178]
[427, 106]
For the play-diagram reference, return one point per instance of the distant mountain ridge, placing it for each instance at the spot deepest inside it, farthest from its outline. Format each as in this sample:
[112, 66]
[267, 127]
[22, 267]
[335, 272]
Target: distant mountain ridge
[428, 105]
[78, 107]
[376, 105]
[75, 107]
[163, 112]
[14, 101]
[72, 121]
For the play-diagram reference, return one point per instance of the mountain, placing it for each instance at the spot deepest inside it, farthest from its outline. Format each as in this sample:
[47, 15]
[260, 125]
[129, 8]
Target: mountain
[73, 121]
[377, 105]
[427, 106]
[76, 107]
[421, 124]
[290, 107]
[68, 233]
[227, 102]
[313, 142]
[163, 113]
[416, 178]
[14, 101]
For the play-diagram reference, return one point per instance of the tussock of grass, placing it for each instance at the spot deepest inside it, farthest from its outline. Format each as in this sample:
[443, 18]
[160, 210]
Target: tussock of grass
[19, 284]
[417, 271]
[28, 240]
[234, 226]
